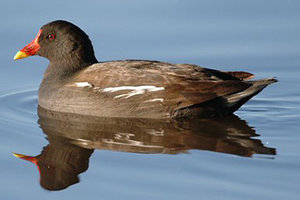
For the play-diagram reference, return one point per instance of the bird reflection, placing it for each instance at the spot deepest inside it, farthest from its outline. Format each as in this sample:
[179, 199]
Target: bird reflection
[73, 138]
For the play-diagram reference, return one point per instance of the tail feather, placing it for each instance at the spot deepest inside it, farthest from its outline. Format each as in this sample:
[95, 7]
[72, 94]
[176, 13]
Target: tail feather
[241, 75]
[224, 105]
[235, 101]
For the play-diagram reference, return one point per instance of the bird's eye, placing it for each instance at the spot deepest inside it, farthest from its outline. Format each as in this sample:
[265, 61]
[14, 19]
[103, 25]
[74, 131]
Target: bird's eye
[51, 36]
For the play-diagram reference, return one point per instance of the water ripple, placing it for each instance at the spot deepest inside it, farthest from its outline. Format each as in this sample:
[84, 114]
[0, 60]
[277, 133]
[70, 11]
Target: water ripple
[18, 105]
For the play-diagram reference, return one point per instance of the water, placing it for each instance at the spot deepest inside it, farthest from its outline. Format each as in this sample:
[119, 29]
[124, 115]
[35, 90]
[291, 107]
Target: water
[253, 156]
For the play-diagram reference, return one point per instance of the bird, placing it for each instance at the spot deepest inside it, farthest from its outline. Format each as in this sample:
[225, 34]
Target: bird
[75, 82]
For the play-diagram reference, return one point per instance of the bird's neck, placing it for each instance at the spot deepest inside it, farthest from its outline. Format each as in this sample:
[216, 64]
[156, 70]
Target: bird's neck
[61, 70]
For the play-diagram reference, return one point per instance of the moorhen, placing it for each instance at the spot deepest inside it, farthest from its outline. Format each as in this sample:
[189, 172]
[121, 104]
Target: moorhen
[75, 82]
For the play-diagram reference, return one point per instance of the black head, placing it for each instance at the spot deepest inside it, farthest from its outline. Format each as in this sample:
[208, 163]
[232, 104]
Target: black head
[61, 42]
[64, 40]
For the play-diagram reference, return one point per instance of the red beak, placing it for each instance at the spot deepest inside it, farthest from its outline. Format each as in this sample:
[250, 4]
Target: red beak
[30, 49]
[24, 157]
[28, 158]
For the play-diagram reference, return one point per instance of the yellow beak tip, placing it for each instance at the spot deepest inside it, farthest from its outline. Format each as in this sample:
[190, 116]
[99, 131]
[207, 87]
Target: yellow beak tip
[18, 155]
[20, 55]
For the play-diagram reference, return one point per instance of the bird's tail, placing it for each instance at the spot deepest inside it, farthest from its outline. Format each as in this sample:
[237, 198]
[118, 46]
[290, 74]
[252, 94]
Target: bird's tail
[236, 100]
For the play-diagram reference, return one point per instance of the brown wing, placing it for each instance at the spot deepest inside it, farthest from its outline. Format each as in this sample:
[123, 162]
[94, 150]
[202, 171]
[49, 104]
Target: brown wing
[184, 85]
[241, 75]
[203, 91]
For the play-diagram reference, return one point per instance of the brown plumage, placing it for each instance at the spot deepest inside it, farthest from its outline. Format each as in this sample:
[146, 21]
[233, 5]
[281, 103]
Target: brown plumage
[75, 82]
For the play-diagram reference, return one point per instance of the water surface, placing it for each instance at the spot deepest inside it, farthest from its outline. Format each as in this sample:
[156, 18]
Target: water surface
[252, 155]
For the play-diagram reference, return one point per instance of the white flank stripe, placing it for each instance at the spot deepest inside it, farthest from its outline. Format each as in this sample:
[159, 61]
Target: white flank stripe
[83, 84]
[154, 100]
[135, 90]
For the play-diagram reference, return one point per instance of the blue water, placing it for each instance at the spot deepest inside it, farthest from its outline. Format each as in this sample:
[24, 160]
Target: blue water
[259, 36]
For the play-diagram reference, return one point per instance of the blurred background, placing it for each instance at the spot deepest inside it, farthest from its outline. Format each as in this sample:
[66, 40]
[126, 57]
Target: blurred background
[220, 34]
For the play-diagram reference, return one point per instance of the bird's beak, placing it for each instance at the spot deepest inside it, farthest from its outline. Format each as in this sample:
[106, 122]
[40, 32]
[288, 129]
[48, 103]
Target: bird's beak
[30, 49]
[24, 157]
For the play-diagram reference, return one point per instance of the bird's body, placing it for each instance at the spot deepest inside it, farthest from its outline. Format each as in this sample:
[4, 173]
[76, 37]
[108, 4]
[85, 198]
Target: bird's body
[75, 82]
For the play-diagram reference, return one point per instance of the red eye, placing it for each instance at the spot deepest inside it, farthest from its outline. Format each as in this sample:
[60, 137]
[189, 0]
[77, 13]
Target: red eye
[51, 36]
